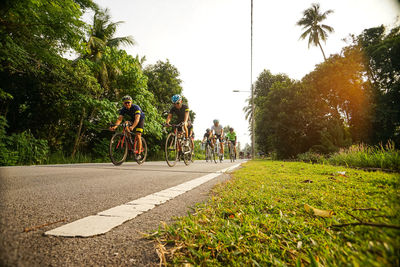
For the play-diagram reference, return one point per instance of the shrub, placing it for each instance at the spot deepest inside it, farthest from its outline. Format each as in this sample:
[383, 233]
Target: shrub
[311, 157]
[385, 157]
[20, 149]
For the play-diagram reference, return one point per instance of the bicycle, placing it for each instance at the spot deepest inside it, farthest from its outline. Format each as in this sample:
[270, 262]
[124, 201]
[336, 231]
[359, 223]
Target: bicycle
[122, 142]
[232, 154]
[209, 151]
[176, 147]
[217, 149]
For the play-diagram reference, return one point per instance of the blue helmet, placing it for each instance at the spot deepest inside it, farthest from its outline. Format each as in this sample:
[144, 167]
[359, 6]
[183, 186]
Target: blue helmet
[176, 98]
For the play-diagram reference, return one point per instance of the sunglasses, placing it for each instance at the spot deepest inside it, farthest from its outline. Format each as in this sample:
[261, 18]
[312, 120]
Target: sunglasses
[126, 103]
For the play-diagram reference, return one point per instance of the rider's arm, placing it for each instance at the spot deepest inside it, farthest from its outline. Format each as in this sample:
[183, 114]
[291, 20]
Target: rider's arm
[118, 122]
[135, 123]
[169, 117]
[186, 116]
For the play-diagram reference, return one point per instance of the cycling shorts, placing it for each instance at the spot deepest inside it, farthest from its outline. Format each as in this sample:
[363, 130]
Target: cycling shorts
[233, 142]
[219, 137]
[140, 126]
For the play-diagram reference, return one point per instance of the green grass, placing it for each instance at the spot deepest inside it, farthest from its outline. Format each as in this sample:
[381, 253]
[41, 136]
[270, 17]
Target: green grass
[258, 219]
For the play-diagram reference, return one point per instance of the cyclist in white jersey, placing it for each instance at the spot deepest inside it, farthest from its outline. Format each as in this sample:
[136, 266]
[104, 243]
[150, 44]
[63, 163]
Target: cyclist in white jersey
[219, 133]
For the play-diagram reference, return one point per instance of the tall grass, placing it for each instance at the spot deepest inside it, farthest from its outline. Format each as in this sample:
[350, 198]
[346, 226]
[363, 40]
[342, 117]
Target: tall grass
[385, 157]
[61, 158]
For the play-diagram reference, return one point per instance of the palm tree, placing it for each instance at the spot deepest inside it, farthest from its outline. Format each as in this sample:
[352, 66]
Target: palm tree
[101, 34]
[311, 23]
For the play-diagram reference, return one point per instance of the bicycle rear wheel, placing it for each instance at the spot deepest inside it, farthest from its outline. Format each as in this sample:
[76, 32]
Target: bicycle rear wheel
[171, 150]
[118, 148]
[141, 157]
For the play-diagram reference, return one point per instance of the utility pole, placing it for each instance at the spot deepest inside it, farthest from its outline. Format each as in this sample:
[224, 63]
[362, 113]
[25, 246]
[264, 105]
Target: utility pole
[253, 148]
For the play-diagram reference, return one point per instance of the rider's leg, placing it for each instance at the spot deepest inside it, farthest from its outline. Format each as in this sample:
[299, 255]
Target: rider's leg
[186, 130]
[222, 146]
[138, 137]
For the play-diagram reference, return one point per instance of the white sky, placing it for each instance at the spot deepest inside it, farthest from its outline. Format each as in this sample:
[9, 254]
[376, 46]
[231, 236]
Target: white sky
[209, 42]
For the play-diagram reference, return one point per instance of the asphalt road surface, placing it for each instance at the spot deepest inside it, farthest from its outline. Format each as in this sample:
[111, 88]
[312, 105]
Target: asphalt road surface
[42, 198]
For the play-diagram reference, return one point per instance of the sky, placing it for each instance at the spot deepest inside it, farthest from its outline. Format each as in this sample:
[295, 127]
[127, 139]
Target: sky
[209, 43]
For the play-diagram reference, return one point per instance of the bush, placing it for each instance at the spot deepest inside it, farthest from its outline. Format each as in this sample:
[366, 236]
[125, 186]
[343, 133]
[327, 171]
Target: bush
[21, 149]
[311, 157]
[7, 156]
[385, 157]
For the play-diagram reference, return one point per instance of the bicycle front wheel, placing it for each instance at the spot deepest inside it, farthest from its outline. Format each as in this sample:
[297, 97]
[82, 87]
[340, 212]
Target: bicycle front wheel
[118, 148]
[214, 155]
[141, 157]
[231, 152]
[187, 154]
[192, 148]
[171, 150]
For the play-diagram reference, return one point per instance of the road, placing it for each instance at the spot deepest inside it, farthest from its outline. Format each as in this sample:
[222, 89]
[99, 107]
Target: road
[51, 196]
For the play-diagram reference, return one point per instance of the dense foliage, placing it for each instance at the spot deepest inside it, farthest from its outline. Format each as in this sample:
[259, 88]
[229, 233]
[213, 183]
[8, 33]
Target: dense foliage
[58, 104]
[352, 97]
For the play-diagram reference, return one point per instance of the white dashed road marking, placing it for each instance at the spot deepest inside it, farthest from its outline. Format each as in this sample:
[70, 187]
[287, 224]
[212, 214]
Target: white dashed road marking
[104, 221]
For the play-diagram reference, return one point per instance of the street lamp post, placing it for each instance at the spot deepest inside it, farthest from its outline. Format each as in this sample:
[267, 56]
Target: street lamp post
[253, 148]
[252, 118]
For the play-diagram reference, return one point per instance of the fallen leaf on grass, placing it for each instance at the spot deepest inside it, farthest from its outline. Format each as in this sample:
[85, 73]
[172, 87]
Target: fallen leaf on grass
[343, 174]
[307, 181]
[318, 212]
[299, 245]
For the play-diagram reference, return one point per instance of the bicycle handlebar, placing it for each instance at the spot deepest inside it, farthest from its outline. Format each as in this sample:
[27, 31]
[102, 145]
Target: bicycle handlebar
[173, 125]
[123, 125]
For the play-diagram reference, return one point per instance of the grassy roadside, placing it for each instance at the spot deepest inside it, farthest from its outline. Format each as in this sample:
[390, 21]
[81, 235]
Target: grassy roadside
[258, 218]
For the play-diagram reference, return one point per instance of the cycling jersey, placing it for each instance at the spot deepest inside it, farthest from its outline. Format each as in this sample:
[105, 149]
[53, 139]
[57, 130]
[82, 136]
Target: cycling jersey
[207, 135]
[135, 109]
[217, 129]
[231, 136]
[180, 112]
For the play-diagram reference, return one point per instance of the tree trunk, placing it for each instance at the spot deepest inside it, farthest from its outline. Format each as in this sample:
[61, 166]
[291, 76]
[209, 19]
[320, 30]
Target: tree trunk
[78, 134]
[322, 51]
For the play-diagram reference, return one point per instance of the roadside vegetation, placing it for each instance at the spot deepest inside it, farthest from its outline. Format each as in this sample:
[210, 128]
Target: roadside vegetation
[291, 213]
[360, 156]
[57, 109]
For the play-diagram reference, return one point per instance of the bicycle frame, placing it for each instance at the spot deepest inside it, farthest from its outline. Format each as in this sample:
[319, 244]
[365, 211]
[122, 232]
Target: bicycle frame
[127, 135]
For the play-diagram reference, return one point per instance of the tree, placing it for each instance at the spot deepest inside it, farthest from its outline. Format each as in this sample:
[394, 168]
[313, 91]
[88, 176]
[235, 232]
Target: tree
[163, 82]
[101, 36]
[381, 48]
[311, 23]
[341, 84]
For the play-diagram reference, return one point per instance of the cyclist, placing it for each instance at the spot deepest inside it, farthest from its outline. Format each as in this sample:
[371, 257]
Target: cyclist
[219, 134]
[137, 120]
[232, 138]
[207, 138]
[182, 112]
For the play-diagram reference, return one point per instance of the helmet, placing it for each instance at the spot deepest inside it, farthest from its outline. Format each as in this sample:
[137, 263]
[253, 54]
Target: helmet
[176, 98]
[208, 130]
[127, 98]
[215, 121]
[231, 129]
